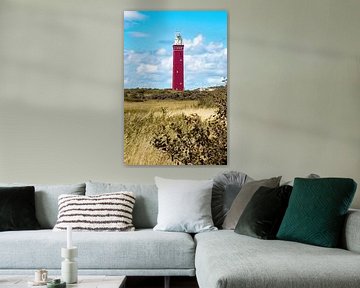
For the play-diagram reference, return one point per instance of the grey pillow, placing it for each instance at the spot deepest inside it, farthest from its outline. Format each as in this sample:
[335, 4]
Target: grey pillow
[226, 187]
[146, 204]
[46, 200]
[184, 205]
[243, 198]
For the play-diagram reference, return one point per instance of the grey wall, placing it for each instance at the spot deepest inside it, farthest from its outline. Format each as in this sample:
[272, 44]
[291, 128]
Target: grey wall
[294, 94]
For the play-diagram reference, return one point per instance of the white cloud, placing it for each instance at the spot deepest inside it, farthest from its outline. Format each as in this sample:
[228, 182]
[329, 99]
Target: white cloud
[133, 16]
[132, 57]
[215, 81]
[161, 52]
[166, 64]
[138, 34]
[213, 47]
[197, 41]
[195, 46]
[146, 68]
[214, 63]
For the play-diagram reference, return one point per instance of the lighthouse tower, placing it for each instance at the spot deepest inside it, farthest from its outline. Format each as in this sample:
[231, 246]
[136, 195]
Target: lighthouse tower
[178, 64]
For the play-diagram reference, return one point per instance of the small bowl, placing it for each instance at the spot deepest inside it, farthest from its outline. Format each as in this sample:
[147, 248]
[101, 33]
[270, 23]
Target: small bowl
[56, 283]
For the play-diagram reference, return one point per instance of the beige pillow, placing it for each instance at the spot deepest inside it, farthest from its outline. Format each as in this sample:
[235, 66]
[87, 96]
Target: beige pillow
[243, 198]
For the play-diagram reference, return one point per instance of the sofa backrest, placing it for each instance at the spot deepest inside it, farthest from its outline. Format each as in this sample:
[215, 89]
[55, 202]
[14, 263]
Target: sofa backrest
[46, 200]
[146, 203]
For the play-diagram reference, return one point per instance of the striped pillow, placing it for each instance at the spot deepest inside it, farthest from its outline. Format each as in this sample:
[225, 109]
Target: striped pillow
[105, 212]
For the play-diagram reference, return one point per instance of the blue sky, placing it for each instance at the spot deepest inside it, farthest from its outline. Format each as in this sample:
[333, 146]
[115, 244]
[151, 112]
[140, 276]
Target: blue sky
[148, 39]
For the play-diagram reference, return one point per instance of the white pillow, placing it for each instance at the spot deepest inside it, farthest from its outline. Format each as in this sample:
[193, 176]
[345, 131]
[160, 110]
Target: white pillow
[184, 205]
[104, 212]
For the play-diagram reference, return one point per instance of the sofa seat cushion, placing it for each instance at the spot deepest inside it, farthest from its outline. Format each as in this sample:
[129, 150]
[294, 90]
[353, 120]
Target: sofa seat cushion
[226, 259]
[141, 249]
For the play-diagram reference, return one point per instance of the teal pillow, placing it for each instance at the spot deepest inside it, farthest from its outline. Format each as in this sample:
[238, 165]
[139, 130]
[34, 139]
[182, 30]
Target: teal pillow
[316, 211]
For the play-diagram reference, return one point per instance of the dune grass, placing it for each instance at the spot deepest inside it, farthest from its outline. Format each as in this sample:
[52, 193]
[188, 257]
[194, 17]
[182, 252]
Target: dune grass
[143, 119]
[165, 127]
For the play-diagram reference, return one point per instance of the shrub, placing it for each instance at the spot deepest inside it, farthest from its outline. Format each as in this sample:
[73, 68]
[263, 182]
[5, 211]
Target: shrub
[189, 140]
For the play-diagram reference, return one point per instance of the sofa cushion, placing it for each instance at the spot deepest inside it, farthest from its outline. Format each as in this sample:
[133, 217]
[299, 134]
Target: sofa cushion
[225, 189]
[317, 209]
[105, 212]
[225, 259]
[263, 214]
[17, 208]
[138, 250]
[146, 205]
[243, 198]
[350, 239]
[184, 205]
[46, 200]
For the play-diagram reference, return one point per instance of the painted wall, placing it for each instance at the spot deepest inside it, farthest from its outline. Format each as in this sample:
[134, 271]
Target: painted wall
[294, 94]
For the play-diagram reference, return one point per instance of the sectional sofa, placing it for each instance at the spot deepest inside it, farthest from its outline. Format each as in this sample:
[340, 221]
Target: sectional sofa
[219, 259]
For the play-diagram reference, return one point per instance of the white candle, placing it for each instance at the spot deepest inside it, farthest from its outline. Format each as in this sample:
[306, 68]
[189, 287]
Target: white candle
[69, 237]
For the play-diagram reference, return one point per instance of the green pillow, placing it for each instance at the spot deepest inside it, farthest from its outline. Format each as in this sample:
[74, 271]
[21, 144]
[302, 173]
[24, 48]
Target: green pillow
[316, 211]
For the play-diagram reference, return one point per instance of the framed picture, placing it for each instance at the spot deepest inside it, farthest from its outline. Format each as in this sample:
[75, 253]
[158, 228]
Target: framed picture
[175, 87]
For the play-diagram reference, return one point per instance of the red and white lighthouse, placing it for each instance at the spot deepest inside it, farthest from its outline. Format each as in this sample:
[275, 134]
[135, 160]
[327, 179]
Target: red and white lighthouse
[178, 64]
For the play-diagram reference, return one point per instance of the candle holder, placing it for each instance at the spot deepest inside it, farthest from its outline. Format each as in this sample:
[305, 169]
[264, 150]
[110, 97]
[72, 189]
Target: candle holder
[69, 271]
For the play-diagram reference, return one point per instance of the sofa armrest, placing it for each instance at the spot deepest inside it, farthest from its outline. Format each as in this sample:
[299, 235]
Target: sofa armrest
[351, 234]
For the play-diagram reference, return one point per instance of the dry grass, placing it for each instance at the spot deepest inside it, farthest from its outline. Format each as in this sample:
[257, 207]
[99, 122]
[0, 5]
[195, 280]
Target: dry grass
[157, 105]
[141, 119]
[137, 137]
[204, 113]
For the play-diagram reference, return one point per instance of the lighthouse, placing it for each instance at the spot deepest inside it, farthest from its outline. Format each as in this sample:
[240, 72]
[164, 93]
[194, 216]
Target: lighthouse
[178, 64]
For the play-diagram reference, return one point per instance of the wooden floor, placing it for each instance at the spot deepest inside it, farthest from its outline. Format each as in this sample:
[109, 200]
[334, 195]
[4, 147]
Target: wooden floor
[158, 282]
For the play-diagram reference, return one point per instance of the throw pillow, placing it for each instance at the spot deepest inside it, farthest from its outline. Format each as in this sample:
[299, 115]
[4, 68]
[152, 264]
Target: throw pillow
[317, 209]
[263, 215]
[184, 205]
[226, 187]
[105, 212]
[243, 198]
[17, 208]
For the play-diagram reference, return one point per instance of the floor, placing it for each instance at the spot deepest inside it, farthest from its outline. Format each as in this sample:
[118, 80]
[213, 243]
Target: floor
[158, 282]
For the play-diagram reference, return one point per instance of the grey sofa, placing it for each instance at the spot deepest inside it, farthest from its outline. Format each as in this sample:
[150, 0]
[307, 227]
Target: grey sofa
[143, 252]
[218, 259]
[226, 259]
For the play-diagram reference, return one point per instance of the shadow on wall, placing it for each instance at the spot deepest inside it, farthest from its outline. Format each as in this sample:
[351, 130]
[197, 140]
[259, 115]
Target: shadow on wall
[37, 141]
